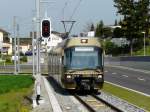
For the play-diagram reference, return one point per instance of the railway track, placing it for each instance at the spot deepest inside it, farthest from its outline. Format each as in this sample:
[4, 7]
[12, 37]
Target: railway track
[95, 104]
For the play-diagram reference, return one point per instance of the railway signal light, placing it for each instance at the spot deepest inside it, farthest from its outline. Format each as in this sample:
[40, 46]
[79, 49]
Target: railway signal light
[45, 28]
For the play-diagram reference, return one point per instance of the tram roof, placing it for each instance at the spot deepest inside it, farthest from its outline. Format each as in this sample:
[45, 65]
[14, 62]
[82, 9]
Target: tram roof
[83, 41]
[77, 41]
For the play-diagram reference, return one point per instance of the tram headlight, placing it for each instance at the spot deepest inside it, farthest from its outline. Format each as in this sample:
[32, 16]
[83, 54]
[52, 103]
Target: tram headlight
[68, 76]
[99, 76]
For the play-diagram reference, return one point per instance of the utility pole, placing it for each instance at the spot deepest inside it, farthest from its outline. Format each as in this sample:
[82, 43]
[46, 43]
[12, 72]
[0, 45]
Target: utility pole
[144, 53]
[38, 35]
[18, 48]
[38, 71]
[14, 45]
[38, 46]
[33, 45]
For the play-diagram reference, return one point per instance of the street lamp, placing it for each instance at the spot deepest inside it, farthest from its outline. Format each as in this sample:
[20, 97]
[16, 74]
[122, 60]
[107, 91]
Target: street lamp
[144, 42]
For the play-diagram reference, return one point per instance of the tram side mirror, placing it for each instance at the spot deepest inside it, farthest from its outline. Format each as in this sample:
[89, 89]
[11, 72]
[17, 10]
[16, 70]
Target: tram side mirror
[97, 67]
[62, 61]
[65, 68]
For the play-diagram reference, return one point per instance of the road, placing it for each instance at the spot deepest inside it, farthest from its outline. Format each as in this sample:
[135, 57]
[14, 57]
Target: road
[135, 80]
[127, 78]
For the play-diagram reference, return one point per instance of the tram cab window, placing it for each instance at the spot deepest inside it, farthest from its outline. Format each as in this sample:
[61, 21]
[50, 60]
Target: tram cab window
[90, 59]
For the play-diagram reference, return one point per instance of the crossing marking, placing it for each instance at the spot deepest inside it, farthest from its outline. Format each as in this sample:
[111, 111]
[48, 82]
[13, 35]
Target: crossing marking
[106, 71]
[114, 73]
[125, 76]
[141, 79]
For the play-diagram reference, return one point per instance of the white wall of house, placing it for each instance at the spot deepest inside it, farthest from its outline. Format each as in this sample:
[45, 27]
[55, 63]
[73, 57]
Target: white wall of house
[24, 48]
[1, 39]
[7, 46]
[53, 41]
[1, 36]
[120, 41]
[10, 49]
[91, 34]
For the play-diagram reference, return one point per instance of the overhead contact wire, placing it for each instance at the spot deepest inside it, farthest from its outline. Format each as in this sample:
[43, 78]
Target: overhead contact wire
[75, 9]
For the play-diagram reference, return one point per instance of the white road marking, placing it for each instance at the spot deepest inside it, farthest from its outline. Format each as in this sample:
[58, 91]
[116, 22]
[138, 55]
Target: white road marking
[106, 71]
[129, 89]
[141, 79]
[125, 76]
[114, 73]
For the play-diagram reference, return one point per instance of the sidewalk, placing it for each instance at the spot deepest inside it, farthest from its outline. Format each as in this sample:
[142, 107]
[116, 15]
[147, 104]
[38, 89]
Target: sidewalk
[45, 105]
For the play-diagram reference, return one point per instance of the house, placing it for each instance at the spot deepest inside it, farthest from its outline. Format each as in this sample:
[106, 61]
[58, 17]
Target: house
[5, 42]
[24, 44]
[53, 41]
[48, 43]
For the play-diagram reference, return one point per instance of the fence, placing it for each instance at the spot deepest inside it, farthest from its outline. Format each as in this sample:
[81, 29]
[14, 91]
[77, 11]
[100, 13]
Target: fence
[24, 67]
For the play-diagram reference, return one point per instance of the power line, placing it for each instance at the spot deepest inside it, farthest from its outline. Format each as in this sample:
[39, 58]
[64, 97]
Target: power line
[75, 9]
[63, 9]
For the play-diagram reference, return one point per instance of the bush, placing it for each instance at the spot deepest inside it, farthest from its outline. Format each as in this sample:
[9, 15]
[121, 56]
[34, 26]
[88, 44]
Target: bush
[21, 54]
[114, 50]
[111, 48]
[8, 60]
[23, 59]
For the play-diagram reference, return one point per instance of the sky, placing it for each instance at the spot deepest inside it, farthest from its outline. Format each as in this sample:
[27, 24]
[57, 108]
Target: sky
[88, 11]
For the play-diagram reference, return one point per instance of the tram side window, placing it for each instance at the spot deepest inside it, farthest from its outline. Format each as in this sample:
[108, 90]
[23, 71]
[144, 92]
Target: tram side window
[100, 59]
[66, 58]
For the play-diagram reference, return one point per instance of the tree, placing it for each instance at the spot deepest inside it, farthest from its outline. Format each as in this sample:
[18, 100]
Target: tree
[88, 27]
[107, 32]
[111, 48]
[135, 19]
[116, 23]
[143, 15]
[92, 27]
[117, 33]
[99, 29]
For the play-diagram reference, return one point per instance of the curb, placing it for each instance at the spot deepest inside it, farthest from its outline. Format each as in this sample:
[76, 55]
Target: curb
[55, 105]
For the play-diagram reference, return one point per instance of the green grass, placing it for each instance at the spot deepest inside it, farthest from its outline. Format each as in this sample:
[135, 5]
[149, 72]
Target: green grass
[15, 101]
[13, 90]
[132, 97]
[141, 51]
[14, 82]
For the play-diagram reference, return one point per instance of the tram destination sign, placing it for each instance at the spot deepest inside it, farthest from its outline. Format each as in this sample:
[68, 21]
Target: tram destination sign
[84, 49]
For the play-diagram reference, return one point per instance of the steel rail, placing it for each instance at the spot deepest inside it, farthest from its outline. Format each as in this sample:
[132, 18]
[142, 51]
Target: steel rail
[91, 108]
[84, 103]
[107, 103]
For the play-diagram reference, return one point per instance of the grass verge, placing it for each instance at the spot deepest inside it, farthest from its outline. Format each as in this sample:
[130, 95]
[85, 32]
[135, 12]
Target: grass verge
[14, 93]
[132, 97]
[141, 52]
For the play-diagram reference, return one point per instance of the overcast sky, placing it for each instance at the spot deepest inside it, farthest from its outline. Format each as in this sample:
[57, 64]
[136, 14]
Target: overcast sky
[88, 11]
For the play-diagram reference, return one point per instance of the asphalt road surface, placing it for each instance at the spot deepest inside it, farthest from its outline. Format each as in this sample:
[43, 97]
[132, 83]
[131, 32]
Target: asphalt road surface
[127, 78]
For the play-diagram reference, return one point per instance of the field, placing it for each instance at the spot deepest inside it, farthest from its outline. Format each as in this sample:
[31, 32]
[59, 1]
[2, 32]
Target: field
[132, 97]
[14, 93]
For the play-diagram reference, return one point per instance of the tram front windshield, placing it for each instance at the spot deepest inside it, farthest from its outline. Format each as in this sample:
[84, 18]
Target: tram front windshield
[83, 58]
